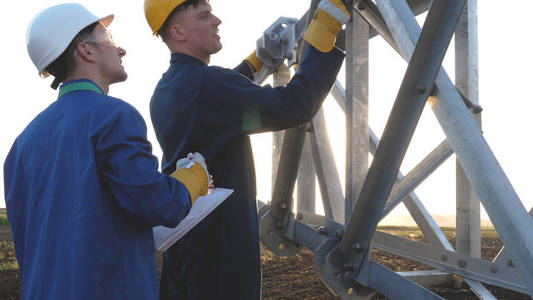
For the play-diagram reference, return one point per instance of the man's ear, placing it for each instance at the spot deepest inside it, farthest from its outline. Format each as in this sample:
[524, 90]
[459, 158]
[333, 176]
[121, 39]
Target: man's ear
[86, 52]
[177, 33]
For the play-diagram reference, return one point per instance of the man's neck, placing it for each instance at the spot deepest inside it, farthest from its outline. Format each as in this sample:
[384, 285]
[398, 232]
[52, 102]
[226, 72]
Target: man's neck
[182, 50]
[98, 81]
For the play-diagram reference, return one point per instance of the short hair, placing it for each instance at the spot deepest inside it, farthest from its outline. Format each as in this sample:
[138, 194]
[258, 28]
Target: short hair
[163, 31]
[62, 66]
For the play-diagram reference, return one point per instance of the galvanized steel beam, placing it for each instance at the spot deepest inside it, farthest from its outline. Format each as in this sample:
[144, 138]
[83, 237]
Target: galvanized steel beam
[369, 11]
[503, 256]
[492, 186]
[416, 86]
[328, 177]
[312, 230]
[468, 222]
[418, 174]
[305, 181]
[417, 6]
[274, 222]
[422, 217]
[451, 262]
[322, 235]
[428, 278]
[357, 35]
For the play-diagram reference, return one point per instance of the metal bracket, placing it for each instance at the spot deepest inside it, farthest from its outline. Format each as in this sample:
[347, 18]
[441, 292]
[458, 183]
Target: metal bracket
[372, 277]
[274, 239]
[278, 43]
[334, 278]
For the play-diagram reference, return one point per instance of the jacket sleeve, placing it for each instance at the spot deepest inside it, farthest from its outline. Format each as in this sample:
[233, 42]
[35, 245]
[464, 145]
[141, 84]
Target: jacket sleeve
[129, 170]
[231, 99]
[244, 69]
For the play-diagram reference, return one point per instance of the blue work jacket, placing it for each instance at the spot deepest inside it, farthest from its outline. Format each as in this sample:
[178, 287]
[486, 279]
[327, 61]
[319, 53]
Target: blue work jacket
[82, 194]
[212, 110]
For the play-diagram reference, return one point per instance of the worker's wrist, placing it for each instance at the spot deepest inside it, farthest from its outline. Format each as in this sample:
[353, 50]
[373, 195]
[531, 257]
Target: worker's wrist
[326, 20]
[253, 62]
[194, 179]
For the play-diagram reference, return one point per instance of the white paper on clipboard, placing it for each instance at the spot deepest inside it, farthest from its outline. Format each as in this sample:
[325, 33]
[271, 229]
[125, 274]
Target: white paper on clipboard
[164, 237]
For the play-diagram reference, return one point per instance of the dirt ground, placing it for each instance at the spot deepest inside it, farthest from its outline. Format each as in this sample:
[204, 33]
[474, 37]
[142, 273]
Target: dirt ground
[289, 277]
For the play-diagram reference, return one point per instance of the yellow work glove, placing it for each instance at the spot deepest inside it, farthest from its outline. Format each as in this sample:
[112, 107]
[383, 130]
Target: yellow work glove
[254, 62]
[192, 172]
[329, 18]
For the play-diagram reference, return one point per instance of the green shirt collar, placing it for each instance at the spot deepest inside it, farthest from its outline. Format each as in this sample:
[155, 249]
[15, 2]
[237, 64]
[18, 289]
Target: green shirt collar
[79, 85]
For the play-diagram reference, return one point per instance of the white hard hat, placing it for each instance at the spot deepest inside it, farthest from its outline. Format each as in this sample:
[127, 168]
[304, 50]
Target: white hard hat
[51, 31]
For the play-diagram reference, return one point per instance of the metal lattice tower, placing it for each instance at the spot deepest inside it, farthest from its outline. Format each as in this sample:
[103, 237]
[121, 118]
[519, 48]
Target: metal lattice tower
[342, 239]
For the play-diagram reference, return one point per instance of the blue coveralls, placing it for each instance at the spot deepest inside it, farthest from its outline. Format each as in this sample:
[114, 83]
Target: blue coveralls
[82, 193]
[212, 110]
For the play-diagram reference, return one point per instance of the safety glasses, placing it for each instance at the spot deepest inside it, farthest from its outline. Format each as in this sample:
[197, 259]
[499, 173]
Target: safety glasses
[104, 38]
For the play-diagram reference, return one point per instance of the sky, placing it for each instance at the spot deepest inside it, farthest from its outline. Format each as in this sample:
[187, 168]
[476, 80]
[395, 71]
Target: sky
[505, 47]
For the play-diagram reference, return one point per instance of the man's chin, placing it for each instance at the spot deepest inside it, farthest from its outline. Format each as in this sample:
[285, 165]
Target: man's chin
[218, 45]
[122, 77]
[217, 49]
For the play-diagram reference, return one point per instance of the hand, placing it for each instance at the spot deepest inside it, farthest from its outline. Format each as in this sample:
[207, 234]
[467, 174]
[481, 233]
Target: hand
[329, 18]
[188, 161]
[261, 70]
[196, 158]
[192, 172]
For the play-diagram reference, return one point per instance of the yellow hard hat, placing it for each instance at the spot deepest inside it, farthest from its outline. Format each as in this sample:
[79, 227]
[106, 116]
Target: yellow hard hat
[157, 12]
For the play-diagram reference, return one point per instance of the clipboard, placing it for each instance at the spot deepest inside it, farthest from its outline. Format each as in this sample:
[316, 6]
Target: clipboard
[164, 237]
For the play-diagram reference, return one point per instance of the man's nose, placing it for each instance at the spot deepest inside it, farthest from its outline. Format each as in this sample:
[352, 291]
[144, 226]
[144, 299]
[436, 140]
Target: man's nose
[121, 51]
[217, 20]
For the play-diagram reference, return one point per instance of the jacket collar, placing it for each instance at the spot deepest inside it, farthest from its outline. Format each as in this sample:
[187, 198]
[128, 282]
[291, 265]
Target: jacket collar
[79, 85]
[180, 58]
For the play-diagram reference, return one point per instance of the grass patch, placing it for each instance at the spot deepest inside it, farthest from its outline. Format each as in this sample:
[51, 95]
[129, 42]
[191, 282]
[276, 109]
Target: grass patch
[390, 227]
[4, 222]
[3, 218]
[485, 231]
[489, 232]
[8, 260]
[8, 266]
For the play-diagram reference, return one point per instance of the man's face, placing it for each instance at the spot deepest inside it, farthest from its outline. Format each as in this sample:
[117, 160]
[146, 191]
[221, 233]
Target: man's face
[109, 55]
[200, 29]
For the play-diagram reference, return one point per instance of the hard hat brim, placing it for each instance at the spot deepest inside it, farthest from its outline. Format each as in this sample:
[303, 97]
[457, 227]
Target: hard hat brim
[106, 21]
